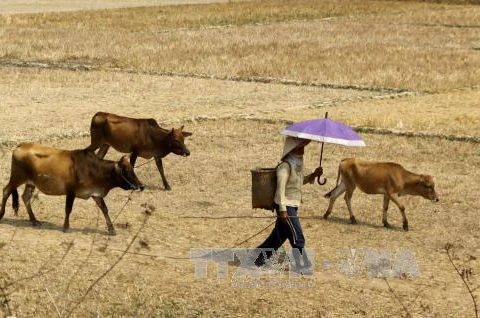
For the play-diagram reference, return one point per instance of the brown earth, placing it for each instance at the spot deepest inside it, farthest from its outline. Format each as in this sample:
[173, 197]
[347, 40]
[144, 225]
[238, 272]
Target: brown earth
[146, 269]
[214, 182]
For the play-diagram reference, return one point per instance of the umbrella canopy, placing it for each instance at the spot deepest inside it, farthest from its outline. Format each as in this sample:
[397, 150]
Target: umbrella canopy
[324, 130]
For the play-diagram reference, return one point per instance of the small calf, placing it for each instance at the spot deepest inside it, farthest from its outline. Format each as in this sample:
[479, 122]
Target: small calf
[387, 178]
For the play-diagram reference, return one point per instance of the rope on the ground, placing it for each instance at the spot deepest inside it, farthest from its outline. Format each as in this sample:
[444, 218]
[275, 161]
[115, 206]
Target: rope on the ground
[246, 217]
[189, 258]
[129, 198]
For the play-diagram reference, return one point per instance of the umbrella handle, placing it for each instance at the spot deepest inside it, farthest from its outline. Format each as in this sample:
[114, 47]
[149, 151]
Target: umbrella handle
[321, 182]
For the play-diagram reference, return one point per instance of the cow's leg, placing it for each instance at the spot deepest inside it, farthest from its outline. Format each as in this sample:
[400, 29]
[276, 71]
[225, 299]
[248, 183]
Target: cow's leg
[159, 163]
[386, 201]
[133, 158]
[103, 151]
[27, 199]
[348, 200]
[334, 194]
[68, 209]
[101, 204]
[7, 190]
[401, 207]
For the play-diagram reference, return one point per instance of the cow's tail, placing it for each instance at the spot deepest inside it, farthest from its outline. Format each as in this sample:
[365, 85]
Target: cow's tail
[16, 164]
[329, 194]
[10, 190]
[15, 201]
[97, 128]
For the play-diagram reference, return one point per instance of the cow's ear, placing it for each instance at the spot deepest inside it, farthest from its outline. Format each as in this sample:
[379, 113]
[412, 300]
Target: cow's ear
[426, 181]
[421, 181]
[185, 133]
[118, 168]
[123, 161]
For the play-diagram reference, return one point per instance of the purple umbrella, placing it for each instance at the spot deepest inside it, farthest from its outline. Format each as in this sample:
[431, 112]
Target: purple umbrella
[324, 130]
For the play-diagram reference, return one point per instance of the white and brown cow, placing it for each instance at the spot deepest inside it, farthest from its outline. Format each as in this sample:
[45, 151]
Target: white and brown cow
[387, 178]
[137, 136]
[74, 173]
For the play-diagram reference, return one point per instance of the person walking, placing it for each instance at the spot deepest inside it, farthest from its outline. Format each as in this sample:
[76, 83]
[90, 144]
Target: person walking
[288, 197]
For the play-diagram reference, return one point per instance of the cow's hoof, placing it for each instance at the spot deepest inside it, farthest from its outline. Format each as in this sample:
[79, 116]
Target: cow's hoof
[168, 188]
[325, 216]
[405, 226]
[352, 220]
[387, 225]
[36, 223]
[112, 232]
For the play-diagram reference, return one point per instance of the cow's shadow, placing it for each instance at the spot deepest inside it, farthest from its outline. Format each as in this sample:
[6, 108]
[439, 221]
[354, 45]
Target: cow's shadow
[346, 221]
[45, 225]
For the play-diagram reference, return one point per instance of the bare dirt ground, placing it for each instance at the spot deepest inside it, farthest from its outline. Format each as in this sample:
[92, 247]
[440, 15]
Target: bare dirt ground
[146, 269]
[215, 181]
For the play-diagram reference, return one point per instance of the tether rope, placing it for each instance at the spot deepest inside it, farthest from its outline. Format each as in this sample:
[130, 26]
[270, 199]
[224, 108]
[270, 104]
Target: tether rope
[129, 198]
[189, 258]
[144, 163]
[246, 217]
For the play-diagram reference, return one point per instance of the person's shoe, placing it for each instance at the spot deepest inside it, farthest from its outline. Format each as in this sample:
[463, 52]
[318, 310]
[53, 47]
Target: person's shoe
[303, 270]
[307, 271]
[236, 261]
[260, 261]
[306, 262]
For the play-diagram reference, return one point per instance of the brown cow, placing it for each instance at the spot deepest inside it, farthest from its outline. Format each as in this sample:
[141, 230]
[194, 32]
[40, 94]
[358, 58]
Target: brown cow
[387, 178]
[75, 173]
[139, 137]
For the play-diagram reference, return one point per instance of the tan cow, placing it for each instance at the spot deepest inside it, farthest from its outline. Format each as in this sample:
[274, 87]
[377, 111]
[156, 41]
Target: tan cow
[387, 178]
[139, 137]
[75, 173]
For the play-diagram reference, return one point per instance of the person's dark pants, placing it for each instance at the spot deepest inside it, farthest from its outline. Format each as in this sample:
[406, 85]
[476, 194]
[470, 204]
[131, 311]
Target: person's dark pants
[283, 230]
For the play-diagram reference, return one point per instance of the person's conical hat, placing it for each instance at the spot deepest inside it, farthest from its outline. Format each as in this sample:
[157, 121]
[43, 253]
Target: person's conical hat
[292, 143]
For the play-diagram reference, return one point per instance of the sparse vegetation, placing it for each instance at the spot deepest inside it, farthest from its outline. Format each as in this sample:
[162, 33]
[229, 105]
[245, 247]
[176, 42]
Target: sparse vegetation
[421, 46]
[293, 37]
[465, 274]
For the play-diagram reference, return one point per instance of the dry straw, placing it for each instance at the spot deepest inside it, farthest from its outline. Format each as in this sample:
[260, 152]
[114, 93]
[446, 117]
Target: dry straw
[293, 38]
[374, 44]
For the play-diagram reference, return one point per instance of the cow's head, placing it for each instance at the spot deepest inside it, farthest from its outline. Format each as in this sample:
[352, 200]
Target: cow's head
[126, 177]
[176, 142]
[426, 188]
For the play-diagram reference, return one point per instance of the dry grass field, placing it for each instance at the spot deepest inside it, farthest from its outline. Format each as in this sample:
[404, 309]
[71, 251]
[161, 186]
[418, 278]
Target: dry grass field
[405, 74]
